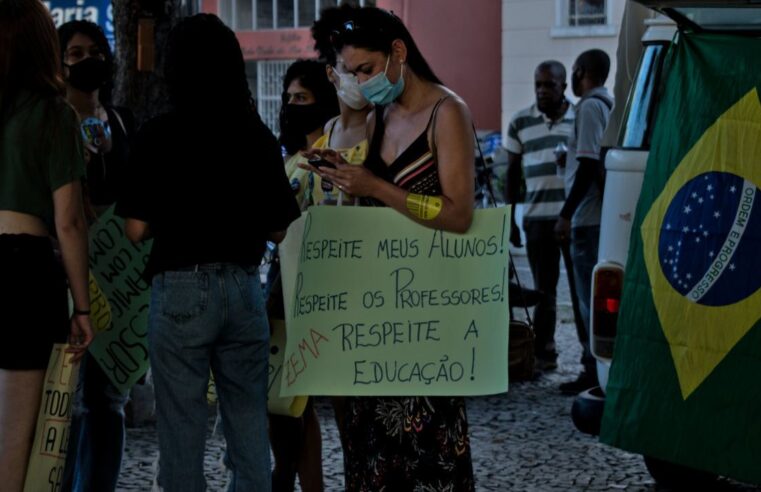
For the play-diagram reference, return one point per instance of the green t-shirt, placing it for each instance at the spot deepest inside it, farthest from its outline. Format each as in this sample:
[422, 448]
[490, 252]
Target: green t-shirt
[40, 151]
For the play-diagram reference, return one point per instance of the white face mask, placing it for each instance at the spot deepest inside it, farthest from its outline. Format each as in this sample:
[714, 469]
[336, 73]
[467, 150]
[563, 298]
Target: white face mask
[348, 91]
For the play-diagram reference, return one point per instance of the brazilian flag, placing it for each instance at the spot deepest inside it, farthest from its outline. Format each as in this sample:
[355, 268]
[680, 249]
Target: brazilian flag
[685, 384]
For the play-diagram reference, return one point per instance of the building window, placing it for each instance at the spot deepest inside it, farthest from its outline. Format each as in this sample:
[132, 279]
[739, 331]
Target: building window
[587, 13]
[582, 18]
[265, 79]
[253, 15]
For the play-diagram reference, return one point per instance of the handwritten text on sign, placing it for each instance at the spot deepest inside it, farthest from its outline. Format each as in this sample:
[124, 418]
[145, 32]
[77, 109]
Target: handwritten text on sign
[118, 264]
[292, 406]
[51, 438]
[379, 305]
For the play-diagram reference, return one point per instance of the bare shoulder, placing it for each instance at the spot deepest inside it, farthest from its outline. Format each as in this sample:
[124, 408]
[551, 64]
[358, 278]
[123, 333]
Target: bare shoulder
[453, 126]
[453, 109]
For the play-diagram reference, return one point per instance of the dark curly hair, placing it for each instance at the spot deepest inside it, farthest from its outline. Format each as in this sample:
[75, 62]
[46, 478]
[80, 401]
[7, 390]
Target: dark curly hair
[322, 32]
[95, 33]
[312, 76]
[369, 28]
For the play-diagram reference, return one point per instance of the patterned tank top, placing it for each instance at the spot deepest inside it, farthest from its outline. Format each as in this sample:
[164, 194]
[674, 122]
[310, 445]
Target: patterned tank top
[415, 170]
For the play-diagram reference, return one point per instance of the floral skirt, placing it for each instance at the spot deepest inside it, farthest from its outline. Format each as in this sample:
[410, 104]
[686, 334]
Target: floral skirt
[416, 444]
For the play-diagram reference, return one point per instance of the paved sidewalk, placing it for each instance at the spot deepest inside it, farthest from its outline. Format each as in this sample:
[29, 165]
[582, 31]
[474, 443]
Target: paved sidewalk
[522, 441]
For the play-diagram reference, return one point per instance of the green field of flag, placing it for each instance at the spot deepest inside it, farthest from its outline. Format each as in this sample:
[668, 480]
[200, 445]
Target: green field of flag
[685, 384]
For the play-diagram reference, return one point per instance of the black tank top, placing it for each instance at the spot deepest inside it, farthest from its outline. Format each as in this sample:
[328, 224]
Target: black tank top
[415, 169]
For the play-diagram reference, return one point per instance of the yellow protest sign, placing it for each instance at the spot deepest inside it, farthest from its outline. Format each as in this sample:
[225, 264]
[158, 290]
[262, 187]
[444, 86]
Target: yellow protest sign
[379, 305]
[100, 309]
[211, 391]
[292, 406]
[51, 437]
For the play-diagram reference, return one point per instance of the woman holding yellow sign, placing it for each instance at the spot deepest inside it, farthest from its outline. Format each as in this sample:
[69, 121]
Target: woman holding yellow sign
[420, 163]
[41, 165]
[308, 102]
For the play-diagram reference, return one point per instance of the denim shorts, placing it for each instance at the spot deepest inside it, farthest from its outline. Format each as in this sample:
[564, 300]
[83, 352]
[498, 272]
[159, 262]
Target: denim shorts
[34, 311]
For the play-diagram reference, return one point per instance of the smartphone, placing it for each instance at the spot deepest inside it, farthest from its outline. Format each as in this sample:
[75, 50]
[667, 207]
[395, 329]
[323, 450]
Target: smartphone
[319, 162]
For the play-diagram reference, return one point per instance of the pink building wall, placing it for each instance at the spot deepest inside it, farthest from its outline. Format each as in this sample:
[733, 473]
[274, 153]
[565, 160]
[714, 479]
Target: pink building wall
[460, 39]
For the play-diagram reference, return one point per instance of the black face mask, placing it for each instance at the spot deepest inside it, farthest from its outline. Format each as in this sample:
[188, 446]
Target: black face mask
[303, 119]
[88, 75]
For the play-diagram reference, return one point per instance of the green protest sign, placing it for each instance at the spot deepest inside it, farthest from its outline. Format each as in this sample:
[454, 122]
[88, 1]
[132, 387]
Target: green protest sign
[118, 264]
[379, 305]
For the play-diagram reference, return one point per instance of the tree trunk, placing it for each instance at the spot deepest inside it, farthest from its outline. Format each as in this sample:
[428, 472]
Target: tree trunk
[143, 92]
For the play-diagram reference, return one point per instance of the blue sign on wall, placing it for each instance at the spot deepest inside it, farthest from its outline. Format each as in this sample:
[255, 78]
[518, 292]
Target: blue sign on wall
[97, 11]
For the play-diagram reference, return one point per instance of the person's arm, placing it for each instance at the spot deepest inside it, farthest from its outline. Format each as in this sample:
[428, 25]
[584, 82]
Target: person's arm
[71, 228]
[277, 192]
[512, 191]
[585, 176]
[135, 201]
[513, 177]
[455, 144]
[276, 237]
[136, 230]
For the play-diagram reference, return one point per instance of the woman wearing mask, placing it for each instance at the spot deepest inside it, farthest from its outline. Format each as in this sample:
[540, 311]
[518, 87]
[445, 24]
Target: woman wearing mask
[308, 102]
[41, 166]
[420, 163]
[347, 132]
[106, 129]
[206, 181]
[96, 439]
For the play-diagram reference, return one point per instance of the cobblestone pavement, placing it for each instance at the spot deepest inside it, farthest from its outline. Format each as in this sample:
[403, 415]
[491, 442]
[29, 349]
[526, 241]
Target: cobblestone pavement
[521, 441]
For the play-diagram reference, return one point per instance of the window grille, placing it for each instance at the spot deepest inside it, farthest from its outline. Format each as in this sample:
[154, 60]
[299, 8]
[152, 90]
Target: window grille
[269, 86]
[587, 12]
[252, 15]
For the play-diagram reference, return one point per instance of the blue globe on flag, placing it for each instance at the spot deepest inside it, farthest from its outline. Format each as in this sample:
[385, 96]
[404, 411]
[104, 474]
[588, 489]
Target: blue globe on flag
[709, 246]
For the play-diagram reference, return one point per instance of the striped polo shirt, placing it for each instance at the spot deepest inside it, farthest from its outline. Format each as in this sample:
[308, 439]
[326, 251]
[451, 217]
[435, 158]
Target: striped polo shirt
[534, 137]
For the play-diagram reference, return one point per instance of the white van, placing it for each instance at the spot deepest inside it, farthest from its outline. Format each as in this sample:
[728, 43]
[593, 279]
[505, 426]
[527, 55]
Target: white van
[625, 165]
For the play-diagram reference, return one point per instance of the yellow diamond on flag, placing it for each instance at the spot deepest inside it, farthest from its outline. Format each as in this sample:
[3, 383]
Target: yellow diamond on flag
[702, 242]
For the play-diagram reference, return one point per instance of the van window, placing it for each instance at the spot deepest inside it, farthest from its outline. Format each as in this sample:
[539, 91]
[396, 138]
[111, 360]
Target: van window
[636, 130]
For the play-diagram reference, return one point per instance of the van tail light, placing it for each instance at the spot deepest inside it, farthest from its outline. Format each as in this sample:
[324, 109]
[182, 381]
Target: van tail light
[607, 284]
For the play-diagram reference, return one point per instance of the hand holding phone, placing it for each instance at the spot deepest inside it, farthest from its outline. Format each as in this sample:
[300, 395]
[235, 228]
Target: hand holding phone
[318, 162]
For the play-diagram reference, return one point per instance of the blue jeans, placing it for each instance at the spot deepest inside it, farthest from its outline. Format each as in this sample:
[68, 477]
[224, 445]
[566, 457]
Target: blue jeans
[96, 441]
[210, 317]
[585, 241]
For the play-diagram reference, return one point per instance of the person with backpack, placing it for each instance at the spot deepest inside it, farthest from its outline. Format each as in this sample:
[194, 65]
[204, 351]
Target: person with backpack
[309, 101]
[579, 219]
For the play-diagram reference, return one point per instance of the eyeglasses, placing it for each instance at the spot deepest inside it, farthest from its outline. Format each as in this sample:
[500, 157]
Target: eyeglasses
[345, 28]
[350, 27]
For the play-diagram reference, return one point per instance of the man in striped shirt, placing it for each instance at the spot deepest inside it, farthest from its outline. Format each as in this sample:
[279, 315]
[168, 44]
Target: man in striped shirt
[532, 138]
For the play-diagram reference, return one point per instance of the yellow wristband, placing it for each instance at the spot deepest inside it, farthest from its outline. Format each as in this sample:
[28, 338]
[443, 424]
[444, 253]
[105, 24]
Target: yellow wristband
[424, 206]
